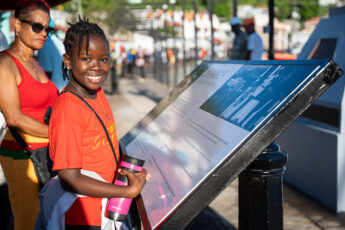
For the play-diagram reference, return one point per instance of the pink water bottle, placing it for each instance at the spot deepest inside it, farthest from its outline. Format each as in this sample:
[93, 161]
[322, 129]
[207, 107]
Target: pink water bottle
[117, 208]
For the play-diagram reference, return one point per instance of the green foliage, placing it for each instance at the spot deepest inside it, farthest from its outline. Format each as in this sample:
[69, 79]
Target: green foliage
[283, 9]
[261, 3]
[309, 9]
[98, 5]
[222, 8]
[120, 17]
[109, 12]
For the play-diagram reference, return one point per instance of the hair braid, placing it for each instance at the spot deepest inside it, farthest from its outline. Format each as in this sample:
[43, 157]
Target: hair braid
[75, 35]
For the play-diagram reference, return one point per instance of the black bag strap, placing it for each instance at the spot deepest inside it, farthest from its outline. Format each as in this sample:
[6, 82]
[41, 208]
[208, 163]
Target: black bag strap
[19, 139]
[100, 120]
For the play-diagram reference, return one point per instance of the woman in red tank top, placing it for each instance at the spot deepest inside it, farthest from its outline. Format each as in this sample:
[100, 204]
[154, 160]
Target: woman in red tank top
[25, 94]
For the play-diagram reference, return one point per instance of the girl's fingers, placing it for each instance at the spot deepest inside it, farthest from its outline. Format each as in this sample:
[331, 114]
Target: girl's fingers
[121, 171]
[125, 172]
[143, 171]
[131, 176]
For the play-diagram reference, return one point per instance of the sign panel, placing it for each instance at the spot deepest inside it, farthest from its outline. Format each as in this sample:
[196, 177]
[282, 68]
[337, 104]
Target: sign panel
[205, 121]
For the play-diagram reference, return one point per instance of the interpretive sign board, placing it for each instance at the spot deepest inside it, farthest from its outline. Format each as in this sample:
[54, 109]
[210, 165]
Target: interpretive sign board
[205, 132]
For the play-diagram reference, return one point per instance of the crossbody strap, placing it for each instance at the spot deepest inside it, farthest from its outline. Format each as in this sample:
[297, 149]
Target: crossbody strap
[20, 140]
[100, 120]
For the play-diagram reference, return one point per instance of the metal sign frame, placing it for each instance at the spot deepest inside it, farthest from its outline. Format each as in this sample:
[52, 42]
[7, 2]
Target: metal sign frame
[221, 176]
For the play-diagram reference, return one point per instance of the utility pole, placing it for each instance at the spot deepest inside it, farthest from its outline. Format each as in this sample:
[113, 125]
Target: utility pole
[175, 50]
[166, 79]
[195, 32]
[183, 38]
[271, 29]
[210, 13]
[234, 8]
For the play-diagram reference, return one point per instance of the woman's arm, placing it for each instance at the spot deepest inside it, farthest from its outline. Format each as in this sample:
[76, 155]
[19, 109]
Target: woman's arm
[72, 180]
[10, 101]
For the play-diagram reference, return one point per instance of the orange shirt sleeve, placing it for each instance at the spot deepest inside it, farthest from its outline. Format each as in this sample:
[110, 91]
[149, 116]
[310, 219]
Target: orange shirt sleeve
[67, 125]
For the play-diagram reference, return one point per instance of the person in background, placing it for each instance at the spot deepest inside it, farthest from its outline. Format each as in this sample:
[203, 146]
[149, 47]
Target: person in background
[131, 61]
[254, 46]
[3, 46]
[5, 212]
[25, 95]
[239, 48]
[5, 26]
[50, 58]
[140, 62]
[124, 63]
[3, 42]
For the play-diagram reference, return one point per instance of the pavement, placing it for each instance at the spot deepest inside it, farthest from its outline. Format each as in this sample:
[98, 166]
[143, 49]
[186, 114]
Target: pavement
[136, 97]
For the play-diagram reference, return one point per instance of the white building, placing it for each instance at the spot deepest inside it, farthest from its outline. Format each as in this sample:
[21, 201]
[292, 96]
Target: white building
[158, 19]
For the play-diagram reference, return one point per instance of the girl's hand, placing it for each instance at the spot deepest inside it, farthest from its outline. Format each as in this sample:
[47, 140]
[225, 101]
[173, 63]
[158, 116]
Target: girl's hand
[136, 181]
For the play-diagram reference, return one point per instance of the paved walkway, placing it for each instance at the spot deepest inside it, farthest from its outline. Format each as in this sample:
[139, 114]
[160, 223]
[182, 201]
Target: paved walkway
[136, 97]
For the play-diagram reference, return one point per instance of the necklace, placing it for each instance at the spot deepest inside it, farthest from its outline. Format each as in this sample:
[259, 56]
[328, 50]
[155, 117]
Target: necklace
[34, 66]
[82, 93]
[33, 63]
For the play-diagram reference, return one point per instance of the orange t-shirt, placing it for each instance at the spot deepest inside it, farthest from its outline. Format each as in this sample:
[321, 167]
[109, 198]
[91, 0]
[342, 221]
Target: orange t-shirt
[78, 140]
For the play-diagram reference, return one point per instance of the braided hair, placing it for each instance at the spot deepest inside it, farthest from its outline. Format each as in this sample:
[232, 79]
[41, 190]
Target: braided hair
[24, 8]
[75, 35]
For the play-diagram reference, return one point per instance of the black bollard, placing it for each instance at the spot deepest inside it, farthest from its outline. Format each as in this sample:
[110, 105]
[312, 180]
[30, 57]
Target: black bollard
[114, 80]
[260, 191]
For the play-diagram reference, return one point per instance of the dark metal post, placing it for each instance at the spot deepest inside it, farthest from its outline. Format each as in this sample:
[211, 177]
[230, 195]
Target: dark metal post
[153, 34]
[175, 47]
[210, 13]
[195, 32]
[114, 79]
[234, 8]
[166, 37]
[271, 29]
[183, 39]
[261, 191]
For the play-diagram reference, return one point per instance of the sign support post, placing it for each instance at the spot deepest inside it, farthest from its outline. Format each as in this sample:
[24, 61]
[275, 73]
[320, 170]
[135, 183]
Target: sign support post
[261, 191]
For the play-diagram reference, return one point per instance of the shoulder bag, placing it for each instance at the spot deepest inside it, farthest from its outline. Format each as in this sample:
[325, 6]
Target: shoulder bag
[40, 157]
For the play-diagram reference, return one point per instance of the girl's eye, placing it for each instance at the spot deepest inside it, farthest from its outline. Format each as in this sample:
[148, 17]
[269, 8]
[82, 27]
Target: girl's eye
[85, 59]
[105, 59]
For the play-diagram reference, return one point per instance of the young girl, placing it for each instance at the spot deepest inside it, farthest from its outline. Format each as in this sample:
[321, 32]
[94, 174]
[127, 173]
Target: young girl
[77, 140]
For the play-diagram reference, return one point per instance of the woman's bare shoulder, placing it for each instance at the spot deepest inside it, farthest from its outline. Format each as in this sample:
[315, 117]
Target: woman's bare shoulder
[5, 58]
[7, 65]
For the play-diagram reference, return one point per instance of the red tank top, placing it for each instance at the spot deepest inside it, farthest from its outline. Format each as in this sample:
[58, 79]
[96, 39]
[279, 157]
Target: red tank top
[35, 97]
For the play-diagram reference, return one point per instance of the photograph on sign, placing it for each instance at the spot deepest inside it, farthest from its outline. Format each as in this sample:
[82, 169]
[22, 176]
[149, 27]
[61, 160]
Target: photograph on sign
[205, 124]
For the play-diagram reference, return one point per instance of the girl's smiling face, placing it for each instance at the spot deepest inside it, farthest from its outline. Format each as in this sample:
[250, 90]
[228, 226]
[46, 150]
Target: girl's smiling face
[90, 68]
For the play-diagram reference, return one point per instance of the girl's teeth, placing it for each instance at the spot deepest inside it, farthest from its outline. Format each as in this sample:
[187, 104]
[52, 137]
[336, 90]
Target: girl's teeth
[94, 77]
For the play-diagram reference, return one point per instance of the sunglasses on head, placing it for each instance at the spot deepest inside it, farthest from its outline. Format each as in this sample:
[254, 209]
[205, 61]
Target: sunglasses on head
[38, 27]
